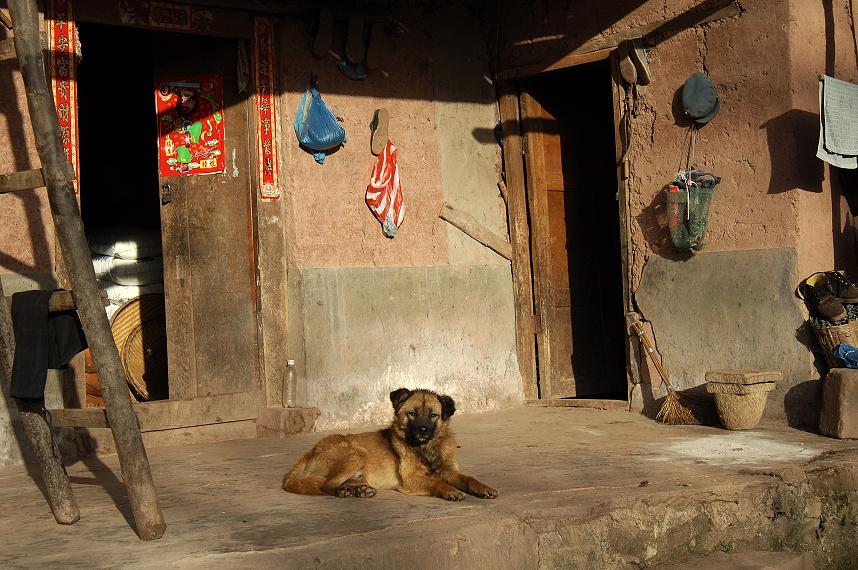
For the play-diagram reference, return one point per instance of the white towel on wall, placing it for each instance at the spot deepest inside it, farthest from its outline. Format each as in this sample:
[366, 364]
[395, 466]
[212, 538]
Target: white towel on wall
[843, 132]
[841, 116]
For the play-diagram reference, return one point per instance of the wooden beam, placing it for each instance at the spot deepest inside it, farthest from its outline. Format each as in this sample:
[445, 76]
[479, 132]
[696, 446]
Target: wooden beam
[65, 301]
[24, 180]
[134, 464]
[600, 47]
[474, 229]
[7, 47]
[7, 21]
[574, 58]
[519, 235]
[85, 418]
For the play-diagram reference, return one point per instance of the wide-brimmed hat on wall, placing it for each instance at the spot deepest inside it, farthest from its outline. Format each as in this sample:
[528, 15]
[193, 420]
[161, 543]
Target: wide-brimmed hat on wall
[699, 98]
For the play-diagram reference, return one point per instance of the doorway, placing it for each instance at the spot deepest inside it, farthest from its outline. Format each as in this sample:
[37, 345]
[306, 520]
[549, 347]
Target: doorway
[568, 123]
[119, 197]
[192, 214]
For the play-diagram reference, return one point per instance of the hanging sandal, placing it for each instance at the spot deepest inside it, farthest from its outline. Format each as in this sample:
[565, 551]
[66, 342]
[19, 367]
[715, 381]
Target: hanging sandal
[637, 54]
[379, 129]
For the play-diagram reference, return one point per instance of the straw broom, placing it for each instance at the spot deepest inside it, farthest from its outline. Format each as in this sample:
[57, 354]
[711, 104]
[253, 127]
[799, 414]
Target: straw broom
[677, 407]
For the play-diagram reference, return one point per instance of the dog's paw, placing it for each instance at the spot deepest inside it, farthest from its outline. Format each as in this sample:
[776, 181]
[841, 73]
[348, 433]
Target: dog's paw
[360, 491]
[364, 491]
[452, 495]
[483, 491]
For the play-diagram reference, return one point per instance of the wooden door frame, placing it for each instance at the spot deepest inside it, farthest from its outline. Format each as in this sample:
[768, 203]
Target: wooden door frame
[528, 290]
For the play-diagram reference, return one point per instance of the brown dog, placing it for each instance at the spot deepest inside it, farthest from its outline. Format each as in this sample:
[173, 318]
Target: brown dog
[416, 455]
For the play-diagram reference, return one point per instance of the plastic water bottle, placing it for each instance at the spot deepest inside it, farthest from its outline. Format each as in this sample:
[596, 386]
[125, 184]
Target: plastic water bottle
[289, 390]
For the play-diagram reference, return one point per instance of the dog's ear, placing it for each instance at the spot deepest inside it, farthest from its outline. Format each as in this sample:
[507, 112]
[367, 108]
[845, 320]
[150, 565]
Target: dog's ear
[448, 407]
[398, 397]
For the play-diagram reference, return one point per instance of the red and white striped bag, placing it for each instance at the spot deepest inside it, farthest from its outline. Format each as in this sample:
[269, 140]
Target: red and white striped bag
[384, 193]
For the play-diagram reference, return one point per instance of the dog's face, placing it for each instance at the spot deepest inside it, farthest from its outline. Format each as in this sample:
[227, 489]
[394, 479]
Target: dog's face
[421, 414]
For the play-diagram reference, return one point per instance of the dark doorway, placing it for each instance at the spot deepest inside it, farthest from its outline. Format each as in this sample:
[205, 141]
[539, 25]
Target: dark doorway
[119, 196]
[577, 263]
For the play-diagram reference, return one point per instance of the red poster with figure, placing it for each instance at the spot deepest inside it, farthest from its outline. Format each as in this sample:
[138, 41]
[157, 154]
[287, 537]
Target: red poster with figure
[190, 125]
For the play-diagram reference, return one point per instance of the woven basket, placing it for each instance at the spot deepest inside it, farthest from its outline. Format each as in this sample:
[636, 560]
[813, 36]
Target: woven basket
[829, 337]
[139, 330]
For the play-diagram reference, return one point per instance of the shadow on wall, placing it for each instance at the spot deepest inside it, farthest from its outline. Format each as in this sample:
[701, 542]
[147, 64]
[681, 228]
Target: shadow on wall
[792, 138]
[15, 114]
[802, 404]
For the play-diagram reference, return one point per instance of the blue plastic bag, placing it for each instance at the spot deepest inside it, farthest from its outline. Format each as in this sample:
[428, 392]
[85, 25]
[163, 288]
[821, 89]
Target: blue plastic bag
[315, 126]
[847, 354]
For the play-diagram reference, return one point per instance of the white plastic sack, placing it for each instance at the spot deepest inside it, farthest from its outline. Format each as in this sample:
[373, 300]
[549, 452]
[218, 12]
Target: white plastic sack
[129, 271]
[126, 242]
[120, 293]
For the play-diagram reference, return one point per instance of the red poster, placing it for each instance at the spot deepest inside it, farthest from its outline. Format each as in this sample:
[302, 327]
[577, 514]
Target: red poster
[266, 109]
[62, 34]
[190, 125]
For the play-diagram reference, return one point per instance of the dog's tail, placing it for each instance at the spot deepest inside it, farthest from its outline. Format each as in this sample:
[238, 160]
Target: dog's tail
[302, 483]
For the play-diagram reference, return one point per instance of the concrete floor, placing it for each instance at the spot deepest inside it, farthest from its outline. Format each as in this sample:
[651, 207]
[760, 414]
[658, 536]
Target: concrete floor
[579, 488]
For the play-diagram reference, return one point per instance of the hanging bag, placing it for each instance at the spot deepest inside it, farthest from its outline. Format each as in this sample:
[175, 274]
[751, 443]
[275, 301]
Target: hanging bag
[316, 127]
[384, 192]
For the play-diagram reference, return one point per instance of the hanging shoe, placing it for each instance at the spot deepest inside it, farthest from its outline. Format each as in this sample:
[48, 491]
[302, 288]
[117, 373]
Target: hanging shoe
[379, 129]
[842, 289]
[627, 67]
[637, 53]
[817, 293]
[355, 71]
[355, 46]
[322, 43]
[379, 46]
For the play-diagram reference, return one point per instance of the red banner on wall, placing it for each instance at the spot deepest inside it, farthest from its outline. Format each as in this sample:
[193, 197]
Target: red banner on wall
[266, 109]
[190, 125]
[62, 37]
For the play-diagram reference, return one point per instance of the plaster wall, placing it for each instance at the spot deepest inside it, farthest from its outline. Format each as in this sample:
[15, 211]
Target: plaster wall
[431, 307]
[368, 331]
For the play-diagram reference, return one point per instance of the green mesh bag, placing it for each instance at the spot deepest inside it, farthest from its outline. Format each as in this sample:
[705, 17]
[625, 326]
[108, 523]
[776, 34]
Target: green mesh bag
[687, 215]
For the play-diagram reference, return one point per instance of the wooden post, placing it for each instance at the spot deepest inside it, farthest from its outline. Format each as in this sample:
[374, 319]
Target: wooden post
[38, 433]
[519, 237]
[134, 464]
[59, 491]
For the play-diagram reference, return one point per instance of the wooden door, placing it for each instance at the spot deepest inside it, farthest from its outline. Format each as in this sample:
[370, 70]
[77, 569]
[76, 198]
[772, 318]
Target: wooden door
[208, 239]
[551, 199]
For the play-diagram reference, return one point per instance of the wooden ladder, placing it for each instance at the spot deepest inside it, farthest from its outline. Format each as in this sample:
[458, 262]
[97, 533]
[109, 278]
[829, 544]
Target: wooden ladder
[57, 176]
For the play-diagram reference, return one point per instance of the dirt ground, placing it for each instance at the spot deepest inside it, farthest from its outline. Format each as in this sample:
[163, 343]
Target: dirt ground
[579, 488]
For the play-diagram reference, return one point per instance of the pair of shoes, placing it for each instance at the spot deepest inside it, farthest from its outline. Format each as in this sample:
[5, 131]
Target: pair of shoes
[634, 64]
[826, 292]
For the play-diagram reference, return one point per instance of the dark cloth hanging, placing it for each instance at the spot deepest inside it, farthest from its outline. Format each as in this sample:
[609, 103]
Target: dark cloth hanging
[43, 340]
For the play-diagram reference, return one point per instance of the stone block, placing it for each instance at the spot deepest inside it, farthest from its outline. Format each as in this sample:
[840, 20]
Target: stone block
[277, 422]
[839, 415]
